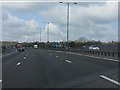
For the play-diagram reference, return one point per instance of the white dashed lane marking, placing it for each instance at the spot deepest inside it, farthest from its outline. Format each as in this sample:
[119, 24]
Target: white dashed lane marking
[24, 58]
[110, 80]
[18, 64]
[57, 56]
[68, 61]
[26, 53]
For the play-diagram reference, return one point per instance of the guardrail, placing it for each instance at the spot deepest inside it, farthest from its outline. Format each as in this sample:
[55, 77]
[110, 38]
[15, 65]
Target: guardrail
[99, 53]
[92, 52]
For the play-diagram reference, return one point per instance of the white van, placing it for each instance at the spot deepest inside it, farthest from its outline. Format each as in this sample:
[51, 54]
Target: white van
[35, 46]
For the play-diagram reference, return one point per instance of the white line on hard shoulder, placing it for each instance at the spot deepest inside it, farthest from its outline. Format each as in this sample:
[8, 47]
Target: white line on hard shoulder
[103, 58]
[109, 79]
[111, 59]
[75, 53]
[68, 61]
[115, 60]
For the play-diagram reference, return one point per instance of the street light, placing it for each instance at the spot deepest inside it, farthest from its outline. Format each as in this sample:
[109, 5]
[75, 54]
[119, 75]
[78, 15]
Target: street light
[40, 33]
[68, 10]
[27, 37]
[33, 37]
[48, 31]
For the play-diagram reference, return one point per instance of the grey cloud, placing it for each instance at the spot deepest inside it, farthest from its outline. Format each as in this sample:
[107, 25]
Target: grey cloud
[28, 6]
[44, 5]
[15, 28]
[91, 21]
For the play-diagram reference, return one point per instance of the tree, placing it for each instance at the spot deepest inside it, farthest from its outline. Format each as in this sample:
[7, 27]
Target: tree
[72, 44]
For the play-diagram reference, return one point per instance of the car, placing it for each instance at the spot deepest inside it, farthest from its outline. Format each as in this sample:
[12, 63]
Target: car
[94, 47]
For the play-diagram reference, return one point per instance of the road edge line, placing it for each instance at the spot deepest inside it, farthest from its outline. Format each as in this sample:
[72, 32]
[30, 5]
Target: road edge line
[110, 80]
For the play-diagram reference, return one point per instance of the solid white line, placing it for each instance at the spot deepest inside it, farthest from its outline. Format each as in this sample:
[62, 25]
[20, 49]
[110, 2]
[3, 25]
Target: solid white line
[104, 58]
[111, 59]
[18, 64]
[68, 61]
[75, 53]
[115, 60]
[109, 79]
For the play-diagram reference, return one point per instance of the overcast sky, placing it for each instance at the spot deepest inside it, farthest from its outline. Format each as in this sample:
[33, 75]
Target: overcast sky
[92, 20]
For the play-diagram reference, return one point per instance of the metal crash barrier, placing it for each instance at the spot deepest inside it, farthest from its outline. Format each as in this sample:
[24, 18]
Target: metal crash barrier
[92, 52]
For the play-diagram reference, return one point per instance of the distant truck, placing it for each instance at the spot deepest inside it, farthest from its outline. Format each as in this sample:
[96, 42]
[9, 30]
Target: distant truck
[19, 47]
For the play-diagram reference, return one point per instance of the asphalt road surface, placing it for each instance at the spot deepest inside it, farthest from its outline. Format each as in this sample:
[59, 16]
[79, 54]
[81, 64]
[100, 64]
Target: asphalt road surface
[37, 68]
[0, 71]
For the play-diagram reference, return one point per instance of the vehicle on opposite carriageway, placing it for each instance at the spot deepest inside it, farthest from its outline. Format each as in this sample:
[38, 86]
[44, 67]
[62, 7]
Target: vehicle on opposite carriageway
[94, 47]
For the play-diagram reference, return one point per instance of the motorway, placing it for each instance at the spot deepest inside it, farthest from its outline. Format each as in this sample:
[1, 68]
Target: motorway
[38, 68]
